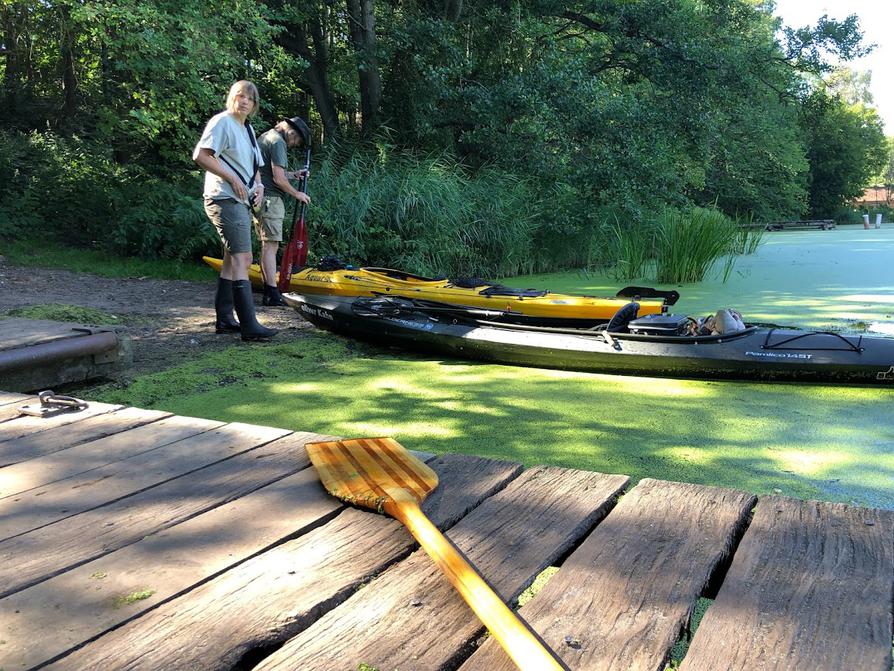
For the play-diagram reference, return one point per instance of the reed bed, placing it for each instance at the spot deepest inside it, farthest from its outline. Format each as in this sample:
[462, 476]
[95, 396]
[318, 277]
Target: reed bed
[423, 213]
[679, 246]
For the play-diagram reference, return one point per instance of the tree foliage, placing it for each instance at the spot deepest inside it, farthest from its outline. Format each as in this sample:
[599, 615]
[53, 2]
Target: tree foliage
[588, 106]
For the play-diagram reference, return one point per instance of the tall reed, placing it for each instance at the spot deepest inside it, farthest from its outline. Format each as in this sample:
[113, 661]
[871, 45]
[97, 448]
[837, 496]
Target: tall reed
[688, 244]
[422, 213]
[750, 235]
[632, 246]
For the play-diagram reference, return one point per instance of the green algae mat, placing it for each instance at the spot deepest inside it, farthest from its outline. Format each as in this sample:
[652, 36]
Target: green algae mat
[810, 441]
[842, 278]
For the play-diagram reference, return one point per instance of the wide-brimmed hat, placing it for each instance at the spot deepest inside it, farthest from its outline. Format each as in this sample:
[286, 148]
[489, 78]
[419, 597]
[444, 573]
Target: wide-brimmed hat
[297, 123]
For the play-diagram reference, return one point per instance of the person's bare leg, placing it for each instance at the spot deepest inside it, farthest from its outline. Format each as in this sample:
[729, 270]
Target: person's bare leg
[268, 262]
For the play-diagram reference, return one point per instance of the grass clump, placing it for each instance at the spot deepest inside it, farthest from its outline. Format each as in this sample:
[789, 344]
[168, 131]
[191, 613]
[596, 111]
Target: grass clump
[678, 652]
[61, 312]
[133, 597]
[680, 246]
[423, 213]
[687, 244]
[539, 583]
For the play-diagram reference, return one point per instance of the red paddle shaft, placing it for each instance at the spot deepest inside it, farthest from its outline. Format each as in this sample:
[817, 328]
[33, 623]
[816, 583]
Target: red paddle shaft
[295, 253]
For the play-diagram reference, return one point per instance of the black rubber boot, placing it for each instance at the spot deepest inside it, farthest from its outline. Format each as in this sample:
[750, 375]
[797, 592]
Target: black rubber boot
[245, 308]
[272, 297]
[223, 305]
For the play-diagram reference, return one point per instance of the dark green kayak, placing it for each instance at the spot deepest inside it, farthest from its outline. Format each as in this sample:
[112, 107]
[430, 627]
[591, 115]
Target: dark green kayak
[753, 353]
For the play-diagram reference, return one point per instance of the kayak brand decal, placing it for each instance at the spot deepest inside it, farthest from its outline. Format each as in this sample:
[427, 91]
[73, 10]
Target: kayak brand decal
[316, 312]
[781, 355]
[319, 277]
[886, 375]
[427, 326]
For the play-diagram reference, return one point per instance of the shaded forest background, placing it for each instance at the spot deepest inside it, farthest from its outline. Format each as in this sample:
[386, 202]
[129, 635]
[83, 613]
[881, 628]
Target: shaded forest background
[487, 138]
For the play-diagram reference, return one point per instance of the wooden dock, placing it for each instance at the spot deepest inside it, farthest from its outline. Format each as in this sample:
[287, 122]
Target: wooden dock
[40, 354]
[137, 539]
[819, 224]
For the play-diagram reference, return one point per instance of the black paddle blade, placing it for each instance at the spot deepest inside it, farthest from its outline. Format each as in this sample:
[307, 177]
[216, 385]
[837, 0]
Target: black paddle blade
[643, 293]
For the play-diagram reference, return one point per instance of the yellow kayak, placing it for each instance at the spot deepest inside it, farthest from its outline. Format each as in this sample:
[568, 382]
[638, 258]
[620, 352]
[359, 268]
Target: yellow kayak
[528, 305]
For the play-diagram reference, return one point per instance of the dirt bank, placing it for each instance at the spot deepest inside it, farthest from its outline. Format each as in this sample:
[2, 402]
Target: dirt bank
[169, 321]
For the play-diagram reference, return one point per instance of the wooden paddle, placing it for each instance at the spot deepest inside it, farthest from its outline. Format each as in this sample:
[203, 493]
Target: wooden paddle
[379, 473]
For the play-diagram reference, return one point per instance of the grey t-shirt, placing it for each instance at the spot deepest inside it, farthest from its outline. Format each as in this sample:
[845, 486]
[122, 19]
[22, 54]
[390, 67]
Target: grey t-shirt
[275, 152]
[228, 139]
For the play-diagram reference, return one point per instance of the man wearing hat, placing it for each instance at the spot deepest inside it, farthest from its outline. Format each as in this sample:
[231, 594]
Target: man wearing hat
[274, 146]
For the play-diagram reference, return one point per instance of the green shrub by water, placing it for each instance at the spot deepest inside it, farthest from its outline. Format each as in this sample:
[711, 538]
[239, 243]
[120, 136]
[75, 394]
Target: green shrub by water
[687, 244]
[424, 213]
[72, 190]
[678, 246]
[372, 205]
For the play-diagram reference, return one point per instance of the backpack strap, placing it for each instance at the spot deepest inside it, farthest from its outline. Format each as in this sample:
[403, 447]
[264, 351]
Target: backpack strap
[254, 159]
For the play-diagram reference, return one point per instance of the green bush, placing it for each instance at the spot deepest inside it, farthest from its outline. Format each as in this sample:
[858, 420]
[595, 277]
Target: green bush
[678, 246]
[688, 243]
[422, 213]
[161, 220]
[74, 192]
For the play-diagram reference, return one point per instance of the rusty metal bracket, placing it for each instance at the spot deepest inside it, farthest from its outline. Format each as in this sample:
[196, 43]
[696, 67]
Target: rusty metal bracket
[52, 404]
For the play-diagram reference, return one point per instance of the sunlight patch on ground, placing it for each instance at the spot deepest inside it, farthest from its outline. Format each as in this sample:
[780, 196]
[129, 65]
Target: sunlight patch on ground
[287, 388]
[399, 430]
[658, 387]
[870, 298]
[10, 483]
[811, 463]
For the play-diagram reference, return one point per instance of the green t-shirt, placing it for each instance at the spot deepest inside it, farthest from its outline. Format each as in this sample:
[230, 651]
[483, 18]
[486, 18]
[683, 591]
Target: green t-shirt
[275, 152]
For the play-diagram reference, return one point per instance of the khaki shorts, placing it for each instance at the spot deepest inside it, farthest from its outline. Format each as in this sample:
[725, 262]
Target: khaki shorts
[232, 220]
[268, 223]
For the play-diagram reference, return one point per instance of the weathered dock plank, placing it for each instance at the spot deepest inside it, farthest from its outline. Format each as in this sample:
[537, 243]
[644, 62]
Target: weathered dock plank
[14, 425]
[276, 594]
[65, 463]
[411, 617]
[63, 437]
[37, 555]
[7, 397]
[622, 598]
[810, 589]
[81, 604]
[44, 505]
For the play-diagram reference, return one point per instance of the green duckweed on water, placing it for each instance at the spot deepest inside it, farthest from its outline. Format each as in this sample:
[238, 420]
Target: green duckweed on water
[809, 441]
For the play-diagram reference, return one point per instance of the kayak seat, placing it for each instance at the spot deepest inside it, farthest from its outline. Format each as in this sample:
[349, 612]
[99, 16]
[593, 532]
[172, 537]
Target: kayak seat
[468, 282]
[500, 290]
[620, 320]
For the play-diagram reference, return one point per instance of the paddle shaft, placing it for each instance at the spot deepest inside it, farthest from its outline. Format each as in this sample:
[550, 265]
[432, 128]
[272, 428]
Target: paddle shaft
[296, 250]
[525, 649]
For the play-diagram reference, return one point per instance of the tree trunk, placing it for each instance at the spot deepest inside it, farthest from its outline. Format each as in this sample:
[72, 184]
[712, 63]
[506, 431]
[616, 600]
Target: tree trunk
[452, 9]
[11, 71]
[295, 40]
[318, 75]
[69, 76]
[363, 36]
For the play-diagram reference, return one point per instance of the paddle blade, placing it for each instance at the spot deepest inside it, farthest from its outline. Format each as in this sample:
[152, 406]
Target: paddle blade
[301, 256]
[371, 472]
[285, 268]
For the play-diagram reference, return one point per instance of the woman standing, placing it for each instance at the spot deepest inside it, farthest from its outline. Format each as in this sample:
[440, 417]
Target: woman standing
[229, 154]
